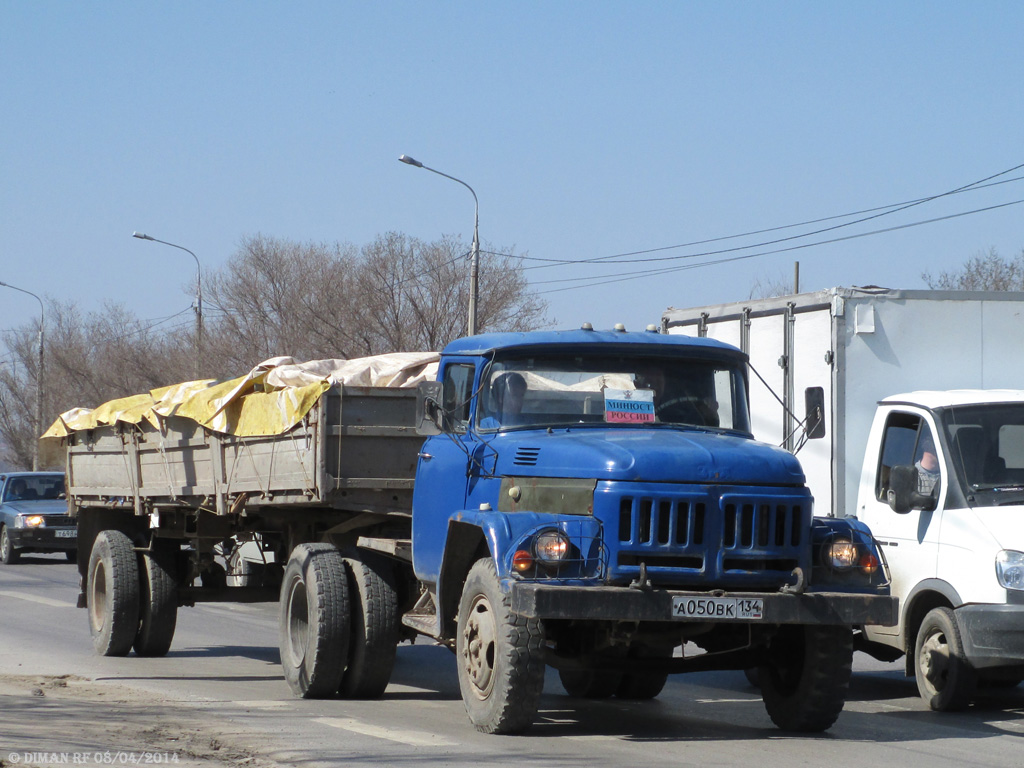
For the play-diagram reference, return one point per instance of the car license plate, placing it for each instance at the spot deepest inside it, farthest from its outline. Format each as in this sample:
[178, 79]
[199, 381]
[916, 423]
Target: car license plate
[66, 533]
[741, 608]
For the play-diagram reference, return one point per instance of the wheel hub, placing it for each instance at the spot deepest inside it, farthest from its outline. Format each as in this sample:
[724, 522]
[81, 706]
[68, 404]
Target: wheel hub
[934, 661]
[479, 638]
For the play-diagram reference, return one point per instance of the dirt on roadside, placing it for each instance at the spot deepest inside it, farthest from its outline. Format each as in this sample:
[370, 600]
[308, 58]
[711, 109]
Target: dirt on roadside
[69, 720]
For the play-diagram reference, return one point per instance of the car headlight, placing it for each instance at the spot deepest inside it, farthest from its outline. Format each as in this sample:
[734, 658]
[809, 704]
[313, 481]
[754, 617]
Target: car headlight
[1010, 569]
[840, 553]
[551, 547]
[28, 521]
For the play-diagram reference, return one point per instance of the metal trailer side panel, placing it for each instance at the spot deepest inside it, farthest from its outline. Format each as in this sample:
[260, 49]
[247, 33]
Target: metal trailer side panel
[356, 450]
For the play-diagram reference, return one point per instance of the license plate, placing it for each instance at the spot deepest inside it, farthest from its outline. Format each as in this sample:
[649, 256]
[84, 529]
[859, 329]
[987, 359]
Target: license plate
[742, 608]
[66, 533]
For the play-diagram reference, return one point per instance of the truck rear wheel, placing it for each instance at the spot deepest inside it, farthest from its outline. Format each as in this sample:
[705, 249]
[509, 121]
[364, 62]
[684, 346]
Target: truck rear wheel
[643, 685]
[945, 679]
[112, 594]
[500, 656]
[374, 626]
[158, 607]
[590, 683]
[313, 625]
[805, 681]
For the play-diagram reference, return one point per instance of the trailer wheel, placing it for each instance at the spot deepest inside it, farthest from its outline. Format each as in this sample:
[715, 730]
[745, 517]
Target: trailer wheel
[807, 676]
[945, 679]
[500, 656]
[158, 605]
[8, 554]
[590, 683]
[112, 594]
[374, 626]
[314, 629]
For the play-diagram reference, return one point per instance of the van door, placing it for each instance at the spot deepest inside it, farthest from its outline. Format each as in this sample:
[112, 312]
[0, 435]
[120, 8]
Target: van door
[910, 540]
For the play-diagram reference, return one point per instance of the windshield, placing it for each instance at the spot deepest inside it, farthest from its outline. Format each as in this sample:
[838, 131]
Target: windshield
[987, 447]
[34, 487]
[563, 390]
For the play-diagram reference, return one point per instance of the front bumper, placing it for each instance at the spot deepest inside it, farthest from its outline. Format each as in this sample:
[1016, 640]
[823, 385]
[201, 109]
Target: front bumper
[993, 635]
[550, 601]
[48, 539]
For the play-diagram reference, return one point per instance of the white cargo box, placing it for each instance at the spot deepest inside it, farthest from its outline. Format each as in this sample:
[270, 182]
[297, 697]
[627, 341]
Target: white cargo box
[860, 345]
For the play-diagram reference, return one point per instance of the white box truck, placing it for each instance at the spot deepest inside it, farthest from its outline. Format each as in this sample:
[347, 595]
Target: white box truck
[884, 376]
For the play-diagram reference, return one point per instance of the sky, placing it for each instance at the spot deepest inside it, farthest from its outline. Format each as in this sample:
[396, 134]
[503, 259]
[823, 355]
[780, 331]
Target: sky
[588, 130]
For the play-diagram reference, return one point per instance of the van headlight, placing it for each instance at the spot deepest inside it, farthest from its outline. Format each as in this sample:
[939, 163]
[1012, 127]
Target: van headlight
[1010, 569]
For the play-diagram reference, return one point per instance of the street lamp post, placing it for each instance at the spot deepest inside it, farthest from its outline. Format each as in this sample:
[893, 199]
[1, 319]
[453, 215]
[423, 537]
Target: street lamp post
[199, 293]
[474, 269]
[39, 377]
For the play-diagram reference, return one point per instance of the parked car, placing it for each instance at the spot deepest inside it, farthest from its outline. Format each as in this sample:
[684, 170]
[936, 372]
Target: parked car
[34, 516]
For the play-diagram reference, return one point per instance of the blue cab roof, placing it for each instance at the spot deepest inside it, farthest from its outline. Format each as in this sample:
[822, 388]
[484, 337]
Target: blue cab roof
[654, 342]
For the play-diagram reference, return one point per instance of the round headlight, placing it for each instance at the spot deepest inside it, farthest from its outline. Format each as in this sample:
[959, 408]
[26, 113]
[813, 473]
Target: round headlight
[551, 547]
[1010, 569]
[840, 554]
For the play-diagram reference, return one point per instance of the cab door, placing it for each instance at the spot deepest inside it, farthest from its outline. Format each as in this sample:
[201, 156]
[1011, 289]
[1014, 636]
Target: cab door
[442, 471]
[910, 540]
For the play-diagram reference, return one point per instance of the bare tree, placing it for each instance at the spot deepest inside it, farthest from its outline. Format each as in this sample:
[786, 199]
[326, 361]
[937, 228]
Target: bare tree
[982, 272]
[274, 297]
[769, 286]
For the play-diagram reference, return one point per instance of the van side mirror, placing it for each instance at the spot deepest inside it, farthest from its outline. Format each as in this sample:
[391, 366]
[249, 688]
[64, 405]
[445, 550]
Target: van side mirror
[814, 410]
[903, 495]
[429, 413]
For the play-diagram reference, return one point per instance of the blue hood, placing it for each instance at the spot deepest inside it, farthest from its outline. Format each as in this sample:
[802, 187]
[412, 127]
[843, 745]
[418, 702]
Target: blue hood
[646, 455]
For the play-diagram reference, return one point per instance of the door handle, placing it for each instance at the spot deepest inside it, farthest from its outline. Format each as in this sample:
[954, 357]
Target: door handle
[425, 456]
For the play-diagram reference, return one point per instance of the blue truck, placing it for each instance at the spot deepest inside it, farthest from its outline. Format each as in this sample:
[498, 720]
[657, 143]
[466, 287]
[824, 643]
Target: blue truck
[591, 501]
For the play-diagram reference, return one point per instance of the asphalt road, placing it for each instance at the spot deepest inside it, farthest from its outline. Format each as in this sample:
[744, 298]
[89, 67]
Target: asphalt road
[219, 698]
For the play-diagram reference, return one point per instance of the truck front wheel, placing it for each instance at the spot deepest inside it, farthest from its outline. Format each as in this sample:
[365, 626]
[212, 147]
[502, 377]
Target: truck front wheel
[112, 594]
[314, 620]
[500, 656]
[807, 676]
[945, 679]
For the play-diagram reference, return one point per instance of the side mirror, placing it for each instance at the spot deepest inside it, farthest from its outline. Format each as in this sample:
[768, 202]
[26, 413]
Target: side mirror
[428, 408]
[903, 495]
[814, 410]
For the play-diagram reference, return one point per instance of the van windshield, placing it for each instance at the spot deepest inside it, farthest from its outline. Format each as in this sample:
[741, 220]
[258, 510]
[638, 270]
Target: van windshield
[987, 450]
[566, 390]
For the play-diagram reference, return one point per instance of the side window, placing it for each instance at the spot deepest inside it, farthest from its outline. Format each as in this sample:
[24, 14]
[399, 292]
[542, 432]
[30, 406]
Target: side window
[457, 388]
[907, 441]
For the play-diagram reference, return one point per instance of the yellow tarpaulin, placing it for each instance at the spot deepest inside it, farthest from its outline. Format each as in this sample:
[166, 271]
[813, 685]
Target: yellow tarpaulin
[270, 400]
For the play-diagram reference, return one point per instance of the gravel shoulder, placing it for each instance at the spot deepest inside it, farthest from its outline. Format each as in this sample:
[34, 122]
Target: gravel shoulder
[68, 720]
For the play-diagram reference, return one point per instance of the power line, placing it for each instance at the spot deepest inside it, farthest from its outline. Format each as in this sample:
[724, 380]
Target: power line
[885, 211]
[624, 276]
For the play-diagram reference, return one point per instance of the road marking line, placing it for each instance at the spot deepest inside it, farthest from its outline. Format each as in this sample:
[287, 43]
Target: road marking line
[412, 738]
[594, 737]
[36, 599]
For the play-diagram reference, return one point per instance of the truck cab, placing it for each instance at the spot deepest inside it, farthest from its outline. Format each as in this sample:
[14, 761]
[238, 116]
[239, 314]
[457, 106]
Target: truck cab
[942, 489]
[598, 497]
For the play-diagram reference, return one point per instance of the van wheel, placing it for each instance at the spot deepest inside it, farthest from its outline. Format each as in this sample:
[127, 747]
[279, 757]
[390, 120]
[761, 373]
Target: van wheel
[8, 554]
[314, 620]
[374, 627]
[806, 677]
[500, 656]
[945, 679]
[112, 594]
[158, 606]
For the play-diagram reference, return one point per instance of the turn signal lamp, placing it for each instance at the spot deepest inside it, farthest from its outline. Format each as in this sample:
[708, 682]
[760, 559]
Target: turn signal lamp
[522, 560]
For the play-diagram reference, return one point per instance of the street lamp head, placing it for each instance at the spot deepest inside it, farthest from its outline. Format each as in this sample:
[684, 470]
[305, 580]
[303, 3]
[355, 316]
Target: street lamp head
[410, 161]
[141, 236]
